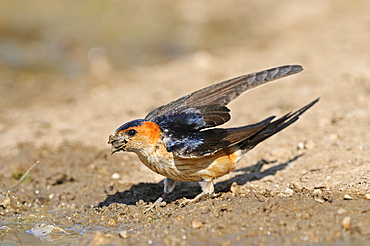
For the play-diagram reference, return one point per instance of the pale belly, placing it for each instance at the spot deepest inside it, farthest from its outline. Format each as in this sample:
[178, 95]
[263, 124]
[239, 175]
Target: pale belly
[194, 169]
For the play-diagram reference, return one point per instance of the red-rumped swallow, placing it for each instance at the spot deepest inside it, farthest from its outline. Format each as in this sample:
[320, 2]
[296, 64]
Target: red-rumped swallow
[179, 140]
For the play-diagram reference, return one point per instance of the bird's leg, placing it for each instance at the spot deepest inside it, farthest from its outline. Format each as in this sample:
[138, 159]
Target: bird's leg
[207, 189]
[169, 186]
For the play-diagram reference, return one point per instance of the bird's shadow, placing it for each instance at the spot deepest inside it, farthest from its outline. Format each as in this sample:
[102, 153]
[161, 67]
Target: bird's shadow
[149, 192]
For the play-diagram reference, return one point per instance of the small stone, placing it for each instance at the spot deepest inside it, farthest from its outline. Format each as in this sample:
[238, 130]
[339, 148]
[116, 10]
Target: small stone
[301, 145]
[319, 186]
[346, 223]
[295, 186]
[367, 196]
[326, 196]
[341, 211]
[289, 192]
[238, 190]
[140, 203]
[234, 188]
[196, 224]
[112, 222]
[347, 197]
[317, 192]
[305, 145]
[319, 200]
[4, 201]
[116, 176]
[123, 234]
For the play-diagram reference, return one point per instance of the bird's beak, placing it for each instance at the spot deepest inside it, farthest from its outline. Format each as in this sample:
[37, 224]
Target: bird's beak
[118, 143]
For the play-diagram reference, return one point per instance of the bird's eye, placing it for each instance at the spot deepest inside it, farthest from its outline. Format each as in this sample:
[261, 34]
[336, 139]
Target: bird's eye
[131, 132]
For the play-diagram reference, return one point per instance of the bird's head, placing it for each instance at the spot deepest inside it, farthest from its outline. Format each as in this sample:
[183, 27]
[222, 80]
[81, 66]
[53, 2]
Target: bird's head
[135, 136]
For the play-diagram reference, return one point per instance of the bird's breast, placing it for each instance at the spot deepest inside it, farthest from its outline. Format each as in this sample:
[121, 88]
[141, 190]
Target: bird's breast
[191, 169]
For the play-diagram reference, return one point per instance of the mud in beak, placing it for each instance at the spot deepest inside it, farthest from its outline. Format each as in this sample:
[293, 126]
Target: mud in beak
[118, 144]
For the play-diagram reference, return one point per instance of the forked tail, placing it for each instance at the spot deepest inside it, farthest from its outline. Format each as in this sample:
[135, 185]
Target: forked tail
[275, 127]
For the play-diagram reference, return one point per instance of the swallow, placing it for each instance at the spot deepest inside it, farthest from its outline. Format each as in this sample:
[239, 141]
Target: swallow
[181, 140]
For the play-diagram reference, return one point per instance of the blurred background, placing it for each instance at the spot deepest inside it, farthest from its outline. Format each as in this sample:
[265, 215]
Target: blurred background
[44, 44]
[66, 37]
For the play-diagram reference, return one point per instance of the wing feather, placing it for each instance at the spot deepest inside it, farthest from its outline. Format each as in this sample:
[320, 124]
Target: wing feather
[224, 92]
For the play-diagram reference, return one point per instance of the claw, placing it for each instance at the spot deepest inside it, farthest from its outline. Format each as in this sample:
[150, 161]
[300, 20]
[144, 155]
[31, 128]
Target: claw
[194, 200]
[158, 203]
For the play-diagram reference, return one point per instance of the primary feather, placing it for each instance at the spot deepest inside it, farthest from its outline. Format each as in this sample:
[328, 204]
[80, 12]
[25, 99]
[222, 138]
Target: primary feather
[222, 93]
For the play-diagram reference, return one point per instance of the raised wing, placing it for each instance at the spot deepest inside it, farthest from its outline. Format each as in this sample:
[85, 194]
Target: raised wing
[216, 96]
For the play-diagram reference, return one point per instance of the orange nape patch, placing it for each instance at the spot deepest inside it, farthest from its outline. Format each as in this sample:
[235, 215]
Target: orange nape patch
[150, 130]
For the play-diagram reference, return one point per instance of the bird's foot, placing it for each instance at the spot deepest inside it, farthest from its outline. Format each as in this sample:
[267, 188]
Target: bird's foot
[156, 204]
[194, 200]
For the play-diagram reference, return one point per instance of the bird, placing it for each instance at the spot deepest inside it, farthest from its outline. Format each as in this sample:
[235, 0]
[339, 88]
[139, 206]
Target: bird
[181, 140]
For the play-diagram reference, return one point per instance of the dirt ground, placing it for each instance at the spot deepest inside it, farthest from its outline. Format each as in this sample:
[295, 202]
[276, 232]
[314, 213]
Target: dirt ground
[308, 185]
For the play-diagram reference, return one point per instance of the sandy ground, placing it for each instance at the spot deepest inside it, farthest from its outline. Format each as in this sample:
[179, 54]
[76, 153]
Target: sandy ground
[309, 184]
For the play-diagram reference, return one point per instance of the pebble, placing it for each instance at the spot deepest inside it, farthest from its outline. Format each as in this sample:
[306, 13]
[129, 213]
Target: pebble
[301, 145]
[4, 201]
[289, 192]
[346, 223]
[347, 197]
[295, 186]
[319, 200]
[196, 224]
[305, 145]
[116, 176]
[238, 190]
[367, 196]
[341, 211]
[112, 222]
[317, 191]
[123, 234]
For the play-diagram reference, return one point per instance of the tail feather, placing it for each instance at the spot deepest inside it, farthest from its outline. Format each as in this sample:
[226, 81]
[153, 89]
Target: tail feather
[275, 127]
